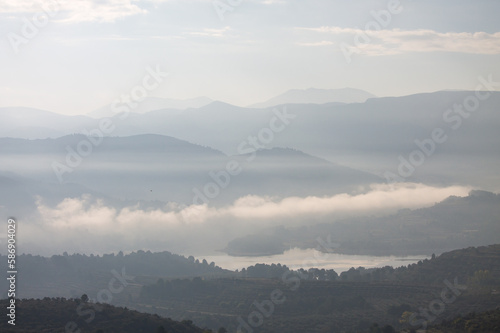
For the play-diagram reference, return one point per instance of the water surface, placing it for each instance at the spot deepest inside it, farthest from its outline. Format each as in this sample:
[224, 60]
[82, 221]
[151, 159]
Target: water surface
[298, 258]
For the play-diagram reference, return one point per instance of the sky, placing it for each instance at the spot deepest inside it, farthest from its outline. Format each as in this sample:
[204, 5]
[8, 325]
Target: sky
[75, 56]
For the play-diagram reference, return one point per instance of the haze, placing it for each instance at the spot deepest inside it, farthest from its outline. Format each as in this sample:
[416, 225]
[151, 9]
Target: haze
[90, 52]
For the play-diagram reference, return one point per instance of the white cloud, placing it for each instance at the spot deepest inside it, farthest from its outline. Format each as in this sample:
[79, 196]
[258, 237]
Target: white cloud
[85, 211]
[379, 198]
[273, 2]
[207, 32]
[20, 6]
[322, 43]
[395, 41]
[203, 226]
[69, 11]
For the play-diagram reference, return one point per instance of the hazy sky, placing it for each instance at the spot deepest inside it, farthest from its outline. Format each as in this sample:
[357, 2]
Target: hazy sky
[83, 54]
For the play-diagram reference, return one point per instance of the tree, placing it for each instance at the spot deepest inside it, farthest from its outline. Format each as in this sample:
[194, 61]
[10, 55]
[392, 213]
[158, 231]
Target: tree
[482, 278]
[405, 317]
[84, 298]
[388, 329]
[374, 328]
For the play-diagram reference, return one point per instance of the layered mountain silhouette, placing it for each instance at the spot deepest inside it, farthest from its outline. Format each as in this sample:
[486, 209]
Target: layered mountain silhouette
[154, 103]
[316, 96]
[374, 136]
[155, 167]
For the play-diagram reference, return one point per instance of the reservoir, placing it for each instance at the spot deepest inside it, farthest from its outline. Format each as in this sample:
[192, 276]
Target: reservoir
[299, 258]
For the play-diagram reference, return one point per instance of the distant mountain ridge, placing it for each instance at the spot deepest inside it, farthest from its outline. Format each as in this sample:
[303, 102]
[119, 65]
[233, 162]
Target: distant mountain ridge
[373, 136]
[317, 96]
[162, 168]
[30, 123]
[154, 103]
[452, 223]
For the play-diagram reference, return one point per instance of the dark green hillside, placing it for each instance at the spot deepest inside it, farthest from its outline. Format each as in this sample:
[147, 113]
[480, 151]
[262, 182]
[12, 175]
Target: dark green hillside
[464, 264]
[474, 322]
[302, 306]
[450, 224]
[274, 297]
[488, 321]
[58, 315]
[74, 275]
[467, 278]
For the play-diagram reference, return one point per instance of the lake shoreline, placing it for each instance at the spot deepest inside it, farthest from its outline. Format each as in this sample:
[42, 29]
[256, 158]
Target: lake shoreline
[308, 258]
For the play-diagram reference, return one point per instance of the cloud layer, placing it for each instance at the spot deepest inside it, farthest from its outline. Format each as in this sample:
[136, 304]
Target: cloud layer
[86, 224]
[396, 41]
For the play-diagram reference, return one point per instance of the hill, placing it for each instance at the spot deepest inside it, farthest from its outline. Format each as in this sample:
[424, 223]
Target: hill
[73, 275]
[163, 168]
[316, 96]
[154, 103]
[58, 315]
[367, 136]
[453, 223]
[29, 123]
[401, 297]
[488, 321]
[310, 300]
[371, 136]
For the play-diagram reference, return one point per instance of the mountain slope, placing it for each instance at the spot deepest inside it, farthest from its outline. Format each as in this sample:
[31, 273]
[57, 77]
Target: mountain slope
[167, 169]
[453, 223]
[154, 103]
[351, 303]
[370, 136]
[29, 123]
[316, 96]
[373, 136]
[59, 315]
[72, 275]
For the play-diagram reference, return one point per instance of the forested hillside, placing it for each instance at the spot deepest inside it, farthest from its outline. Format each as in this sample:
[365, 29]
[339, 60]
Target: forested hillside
[73, 275]
[60, 315]
[320, 301]
[453, 223]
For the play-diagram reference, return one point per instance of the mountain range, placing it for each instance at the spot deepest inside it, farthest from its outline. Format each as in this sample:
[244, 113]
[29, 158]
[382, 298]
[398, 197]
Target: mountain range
[155, 103]
[248, 168]
[316, 96]
[160, 168]
[377, 136]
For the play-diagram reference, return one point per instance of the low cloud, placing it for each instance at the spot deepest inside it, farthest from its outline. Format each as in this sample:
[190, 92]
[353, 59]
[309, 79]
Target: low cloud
[86, 224]
[379, 198]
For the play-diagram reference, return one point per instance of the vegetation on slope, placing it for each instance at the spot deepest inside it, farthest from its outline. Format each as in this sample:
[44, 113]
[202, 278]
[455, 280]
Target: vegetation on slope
[56, 315]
